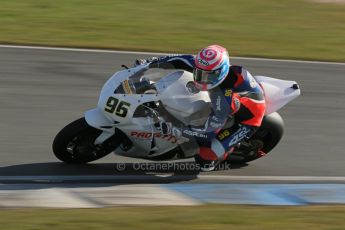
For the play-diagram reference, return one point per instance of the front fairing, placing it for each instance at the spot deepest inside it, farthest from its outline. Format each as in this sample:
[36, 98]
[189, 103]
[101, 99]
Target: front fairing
[124, 104]
[175, 91]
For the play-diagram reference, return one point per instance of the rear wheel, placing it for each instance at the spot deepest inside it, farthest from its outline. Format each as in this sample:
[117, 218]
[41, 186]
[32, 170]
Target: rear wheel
[262, 142]
[74, 144]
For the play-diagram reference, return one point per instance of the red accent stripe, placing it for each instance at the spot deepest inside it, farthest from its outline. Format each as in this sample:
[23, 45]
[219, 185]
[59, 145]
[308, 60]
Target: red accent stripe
[257, 109]
[212, 66]
[208, 50]
[217, 130]
[207, 154]
[240, 79]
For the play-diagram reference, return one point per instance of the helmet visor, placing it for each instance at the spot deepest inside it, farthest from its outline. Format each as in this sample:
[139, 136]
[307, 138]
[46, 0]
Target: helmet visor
[206, 77]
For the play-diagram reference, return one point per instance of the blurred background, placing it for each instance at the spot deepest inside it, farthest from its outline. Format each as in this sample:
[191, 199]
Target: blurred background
[302, 29]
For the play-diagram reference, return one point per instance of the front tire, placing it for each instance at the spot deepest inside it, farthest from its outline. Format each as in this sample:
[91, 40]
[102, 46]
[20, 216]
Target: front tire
[74, 144]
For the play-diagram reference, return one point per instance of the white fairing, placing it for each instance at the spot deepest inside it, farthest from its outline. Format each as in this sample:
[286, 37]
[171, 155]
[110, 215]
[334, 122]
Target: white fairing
[277, 92]
[122, 107]
[172, 92]
[180, 101]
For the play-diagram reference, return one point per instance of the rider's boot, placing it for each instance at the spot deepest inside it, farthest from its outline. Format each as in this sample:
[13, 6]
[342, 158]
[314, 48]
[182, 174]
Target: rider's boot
[205, 165]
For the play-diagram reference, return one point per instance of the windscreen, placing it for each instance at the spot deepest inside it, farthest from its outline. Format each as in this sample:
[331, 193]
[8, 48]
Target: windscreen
[142, 81]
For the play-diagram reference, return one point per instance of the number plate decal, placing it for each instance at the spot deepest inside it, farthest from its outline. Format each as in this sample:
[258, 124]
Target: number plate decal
[119, 108]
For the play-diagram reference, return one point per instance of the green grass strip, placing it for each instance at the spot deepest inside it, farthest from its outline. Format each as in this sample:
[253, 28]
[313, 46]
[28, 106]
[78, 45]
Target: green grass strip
[301, 29]
[197, 217]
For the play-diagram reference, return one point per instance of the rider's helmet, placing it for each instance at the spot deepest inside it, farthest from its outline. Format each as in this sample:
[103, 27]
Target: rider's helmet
[211, 67]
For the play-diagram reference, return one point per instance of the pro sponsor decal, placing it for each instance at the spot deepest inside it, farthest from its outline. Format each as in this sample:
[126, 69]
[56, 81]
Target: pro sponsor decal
[148, 135]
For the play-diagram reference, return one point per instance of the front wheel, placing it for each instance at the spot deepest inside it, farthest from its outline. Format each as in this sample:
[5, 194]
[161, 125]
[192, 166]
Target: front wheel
[74, 144]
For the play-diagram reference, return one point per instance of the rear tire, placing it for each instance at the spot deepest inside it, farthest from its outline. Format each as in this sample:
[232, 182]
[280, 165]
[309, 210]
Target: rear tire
[74, 144]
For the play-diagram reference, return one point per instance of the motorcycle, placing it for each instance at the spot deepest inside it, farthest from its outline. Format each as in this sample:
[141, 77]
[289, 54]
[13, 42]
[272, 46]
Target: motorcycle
[133, 100]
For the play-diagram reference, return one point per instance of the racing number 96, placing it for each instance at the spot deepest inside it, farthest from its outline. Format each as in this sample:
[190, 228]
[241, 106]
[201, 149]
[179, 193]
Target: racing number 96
[113, 105]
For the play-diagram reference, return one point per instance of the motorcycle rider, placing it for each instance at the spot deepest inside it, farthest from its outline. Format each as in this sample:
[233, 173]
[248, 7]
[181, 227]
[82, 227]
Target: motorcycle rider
[237, 102]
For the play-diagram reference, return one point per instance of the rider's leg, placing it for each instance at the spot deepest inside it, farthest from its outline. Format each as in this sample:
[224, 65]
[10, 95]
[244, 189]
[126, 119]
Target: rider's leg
[217, 150]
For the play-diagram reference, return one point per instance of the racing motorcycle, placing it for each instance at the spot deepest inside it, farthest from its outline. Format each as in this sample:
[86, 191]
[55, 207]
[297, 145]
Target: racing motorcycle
[133, 100]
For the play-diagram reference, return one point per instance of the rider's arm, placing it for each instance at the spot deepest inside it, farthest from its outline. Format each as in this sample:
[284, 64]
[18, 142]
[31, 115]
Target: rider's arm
[185, 62]
[221, 114]
[247, 108]
[220, 117]
[252, 101]
[204, 133]
[248, 105]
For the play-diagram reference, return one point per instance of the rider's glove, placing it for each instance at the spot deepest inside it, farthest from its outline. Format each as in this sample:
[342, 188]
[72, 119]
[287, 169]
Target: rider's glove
[176, 132]
[166, 129]
[139, 62]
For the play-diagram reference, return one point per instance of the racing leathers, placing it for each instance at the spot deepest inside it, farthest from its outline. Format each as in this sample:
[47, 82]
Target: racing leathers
[238, 107]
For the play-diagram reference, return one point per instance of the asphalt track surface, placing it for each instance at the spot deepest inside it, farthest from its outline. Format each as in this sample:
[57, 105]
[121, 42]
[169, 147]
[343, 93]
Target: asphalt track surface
[43, 90]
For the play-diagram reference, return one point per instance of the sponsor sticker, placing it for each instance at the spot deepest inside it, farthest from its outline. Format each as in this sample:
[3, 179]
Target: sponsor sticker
[252, 81]
[218, 104]
[126, 87]
[222, 135]
[194, 134]
[203, 62]
[228, 93]
[215, 125]
[148, 135]
[237, 104]
[239, 135]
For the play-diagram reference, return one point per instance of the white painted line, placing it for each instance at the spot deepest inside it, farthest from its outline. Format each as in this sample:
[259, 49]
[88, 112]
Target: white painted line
[290, 61]
[133, 194]
[91, 196]
[160, 54]
[80, 50]
[153, 178]
[273, 178]
[43, 198]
